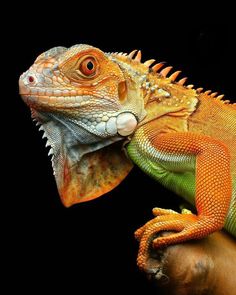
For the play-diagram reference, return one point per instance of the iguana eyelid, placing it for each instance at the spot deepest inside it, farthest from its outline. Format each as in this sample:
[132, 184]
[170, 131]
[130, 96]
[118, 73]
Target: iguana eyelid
[71, 68]
[96, 65]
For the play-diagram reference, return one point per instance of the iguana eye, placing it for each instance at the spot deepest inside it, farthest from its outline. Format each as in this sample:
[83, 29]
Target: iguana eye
[88, 66]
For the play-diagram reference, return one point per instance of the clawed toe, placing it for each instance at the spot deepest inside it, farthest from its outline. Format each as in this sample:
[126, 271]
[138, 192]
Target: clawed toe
[160, 211]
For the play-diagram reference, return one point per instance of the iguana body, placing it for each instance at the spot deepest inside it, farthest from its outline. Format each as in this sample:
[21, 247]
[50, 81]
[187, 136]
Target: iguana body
[88, 102]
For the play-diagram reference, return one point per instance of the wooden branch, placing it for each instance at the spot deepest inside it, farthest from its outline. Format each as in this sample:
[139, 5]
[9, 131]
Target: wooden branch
[207, 266]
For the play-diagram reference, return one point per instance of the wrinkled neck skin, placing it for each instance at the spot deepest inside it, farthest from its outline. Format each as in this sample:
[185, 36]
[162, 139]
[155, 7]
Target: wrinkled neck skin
[69, 140]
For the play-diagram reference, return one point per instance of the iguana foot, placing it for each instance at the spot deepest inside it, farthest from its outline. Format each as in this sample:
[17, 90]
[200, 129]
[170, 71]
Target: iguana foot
[186, 226]
[156, 212]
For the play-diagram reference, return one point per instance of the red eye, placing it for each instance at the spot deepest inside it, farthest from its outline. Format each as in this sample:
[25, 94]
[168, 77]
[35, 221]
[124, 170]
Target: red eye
[88, 66]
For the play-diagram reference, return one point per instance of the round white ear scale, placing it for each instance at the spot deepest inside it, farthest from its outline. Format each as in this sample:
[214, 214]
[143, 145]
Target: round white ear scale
[126, 124]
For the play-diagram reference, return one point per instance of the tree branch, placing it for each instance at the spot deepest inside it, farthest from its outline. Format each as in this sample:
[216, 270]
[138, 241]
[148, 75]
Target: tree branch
[206, 266]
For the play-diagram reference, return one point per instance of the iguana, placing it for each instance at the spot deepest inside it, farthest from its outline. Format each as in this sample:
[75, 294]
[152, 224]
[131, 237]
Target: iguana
[93, 106]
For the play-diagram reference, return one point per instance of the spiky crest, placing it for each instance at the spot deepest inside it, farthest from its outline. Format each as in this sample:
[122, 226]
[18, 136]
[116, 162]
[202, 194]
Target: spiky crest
[134, 58]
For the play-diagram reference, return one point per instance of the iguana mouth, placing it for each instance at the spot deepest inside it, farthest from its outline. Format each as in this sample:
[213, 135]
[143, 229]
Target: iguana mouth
[65, 102]
[47, 92]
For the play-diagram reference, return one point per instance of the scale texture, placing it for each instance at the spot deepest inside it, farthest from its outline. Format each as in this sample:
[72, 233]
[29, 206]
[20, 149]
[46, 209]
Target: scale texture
[103, 112]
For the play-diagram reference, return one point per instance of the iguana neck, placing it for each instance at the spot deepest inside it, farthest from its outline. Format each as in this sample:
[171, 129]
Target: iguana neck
[161, 95]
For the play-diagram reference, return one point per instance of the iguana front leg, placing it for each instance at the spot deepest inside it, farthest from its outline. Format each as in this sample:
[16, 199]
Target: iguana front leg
[213, 191]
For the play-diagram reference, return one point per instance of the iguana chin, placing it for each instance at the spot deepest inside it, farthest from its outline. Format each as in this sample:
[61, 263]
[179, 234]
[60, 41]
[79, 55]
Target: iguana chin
[92, 105]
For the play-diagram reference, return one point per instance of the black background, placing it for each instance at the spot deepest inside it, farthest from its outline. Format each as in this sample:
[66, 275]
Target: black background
[90, 247]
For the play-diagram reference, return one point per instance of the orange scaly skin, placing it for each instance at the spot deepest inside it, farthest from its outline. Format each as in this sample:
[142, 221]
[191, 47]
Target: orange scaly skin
[209, 190]
[90, 103]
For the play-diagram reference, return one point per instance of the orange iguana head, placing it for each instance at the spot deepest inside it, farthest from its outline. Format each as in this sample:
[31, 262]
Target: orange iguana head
[86, 101]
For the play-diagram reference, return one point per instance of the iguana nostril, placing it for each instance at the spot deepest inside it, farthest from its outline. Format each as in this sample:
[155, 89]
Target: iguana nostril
[31, 79]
